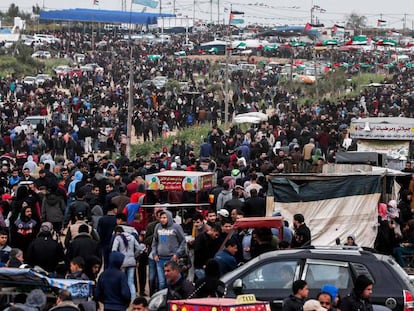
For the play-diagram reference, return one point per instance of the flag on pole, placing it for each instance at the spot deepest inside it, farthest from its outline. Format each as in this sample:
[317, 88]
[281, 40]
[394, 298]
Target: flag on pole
[381, 23]
[95, 2]
[337, 28]
[307, 27]
[394, 33]
[149, 3]
[234, 20]
[310, 26]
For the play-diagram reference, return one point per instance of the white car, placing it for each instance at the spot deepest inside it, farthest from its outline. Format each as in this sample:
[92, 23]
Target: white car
[42, 78]
[42, 54]
[29, 80]
[47, 38]
[61, 70]
[159, 81]
[92, 67]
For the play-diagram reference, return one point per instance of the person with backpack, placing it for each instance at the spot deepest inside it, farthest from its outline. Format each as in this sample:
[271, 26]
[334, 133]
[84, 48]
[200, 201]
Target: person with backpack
[128, 245]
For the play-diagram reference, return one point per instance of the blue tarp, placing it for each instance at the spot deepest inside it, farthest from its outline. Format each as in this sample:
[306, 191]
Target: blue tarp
[28, 277]
[102, 16]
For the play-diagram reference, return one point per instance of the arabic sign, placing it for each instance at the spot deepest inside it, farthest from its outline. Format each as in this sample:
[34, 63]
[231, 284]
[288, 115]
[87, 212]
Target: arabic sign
[179, 183]
[381, 131]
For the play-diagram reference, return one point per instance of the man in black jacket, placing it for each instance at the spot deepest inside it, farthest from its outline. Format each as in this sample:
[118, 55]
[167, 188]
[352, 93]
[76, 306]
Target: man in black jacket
[255, 206]
[302, 235]
[205, 247]
[178, 287]
[358, 300]
[296, 301]
[83, 245]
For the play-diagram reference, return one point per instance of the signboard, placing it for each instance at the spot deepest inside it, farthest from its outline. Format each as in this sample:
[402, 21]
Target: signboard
[244, 303]
[180, 181]
[397, 150]
[385, 131]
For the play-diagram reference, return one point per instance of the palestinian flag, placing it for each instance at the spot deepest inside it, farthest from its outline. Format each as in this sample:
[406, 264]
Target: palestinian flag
[234, 20]
[386, 42]
[358, 40]
[333, 206]
[336, 28]
[381, 23]
[394, 33]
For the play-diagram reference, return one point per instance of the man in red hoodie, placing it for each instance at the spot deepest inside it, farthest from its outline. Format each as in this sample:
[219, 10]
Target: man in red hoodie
[134, 204]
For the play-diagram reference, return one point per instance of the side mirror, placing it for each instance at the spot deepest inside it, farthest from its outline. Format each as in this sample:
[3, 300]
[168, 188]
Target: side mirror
[238, 287]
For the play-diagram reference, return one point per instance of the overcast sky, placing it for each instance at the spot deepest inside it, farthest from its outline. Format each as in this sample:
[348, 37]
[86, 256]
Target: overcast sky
[271, 12]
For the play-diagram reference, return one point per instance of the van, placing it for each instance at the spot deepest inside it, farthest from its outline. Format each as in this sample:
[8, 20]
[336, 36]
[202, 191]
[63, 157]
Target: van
[34, 121]
[247, 67]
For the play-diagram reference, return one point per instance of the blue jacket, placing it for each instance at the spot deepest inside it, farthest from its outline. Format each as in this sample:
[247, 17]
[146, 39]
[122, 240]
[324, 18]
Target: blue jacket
[205, 150]
[227, 261]
[112, 289]
[132, 209]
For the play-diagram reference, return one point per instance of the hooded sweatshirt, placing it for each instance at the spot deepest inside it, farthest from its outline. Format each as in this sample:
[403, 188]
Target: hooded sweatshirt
[129, 246]
[168, 240]
[30, 164]
[72, 186]
[133, 207]
[53, 208]
[112, 289]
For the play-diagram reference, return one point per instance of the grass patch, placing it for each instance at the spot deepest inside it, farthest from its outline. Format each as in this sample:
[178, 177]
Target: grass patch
[196, 134]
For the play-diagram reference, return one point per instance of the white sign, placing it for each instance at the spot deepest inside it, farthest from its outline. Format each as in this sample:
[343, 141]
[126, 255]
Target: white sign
[381, 131]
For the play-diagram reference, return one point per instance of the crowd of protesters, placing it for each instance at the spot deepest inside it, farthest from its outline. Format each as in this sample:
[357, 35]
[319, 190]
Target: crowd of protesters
[53, 184]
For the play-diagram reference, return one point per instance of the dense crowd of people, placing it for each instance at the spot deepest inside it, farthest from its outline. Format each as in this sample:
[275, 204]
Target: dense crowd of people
[74, 214]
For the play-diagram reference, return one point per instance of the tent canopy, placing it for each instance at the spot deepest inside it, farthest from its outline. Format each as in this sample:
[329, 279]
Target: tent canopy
[102, 16]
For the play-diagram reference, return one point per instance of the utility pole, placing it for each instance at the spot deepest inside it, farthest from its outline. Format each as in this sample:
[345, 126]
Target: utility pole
[218, 12]
[130, 102]
[211, 11]
[194, 4]
[404, 23]
[311, 12]
[162, 23]
[226, 75]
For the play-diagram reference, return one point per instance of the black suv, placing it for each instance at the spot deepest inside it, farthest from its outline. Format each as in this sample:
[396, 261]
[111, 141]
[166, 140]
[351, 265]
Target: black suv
[270, 276]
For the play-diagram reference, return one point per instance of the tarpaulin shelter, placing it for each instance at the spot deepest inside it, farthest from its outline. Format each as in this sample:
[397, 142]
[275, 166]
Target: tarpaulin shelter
[102, 16]
[334, 205]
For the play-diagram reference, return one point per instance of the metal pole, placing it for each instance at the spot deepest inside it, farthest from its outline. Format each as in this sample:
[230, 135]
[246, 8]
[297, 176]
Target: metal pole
[130, 102]
[194, 4]
[218, 12]
[226, 75]
[211, 11]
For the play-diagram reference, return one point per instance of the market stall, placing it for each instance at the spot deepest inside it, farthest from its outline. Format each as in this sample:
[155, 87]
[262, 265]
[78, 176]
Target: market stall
[391, 136]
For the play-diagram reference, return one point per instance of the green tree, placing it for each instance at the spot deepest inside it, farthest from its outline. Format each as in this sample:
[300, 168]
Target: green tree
[355, 21]
[36, 9]
[13, 11]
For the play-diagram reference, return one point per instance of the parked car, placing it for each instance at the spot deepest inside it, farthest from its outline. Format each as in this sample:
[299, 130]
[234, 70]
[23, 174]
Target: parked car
[49, 39]
[42, 78]
[29, 80]
[92, 67]
[338, 266]
[61, 70]
[159, 81]
[42, 54]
